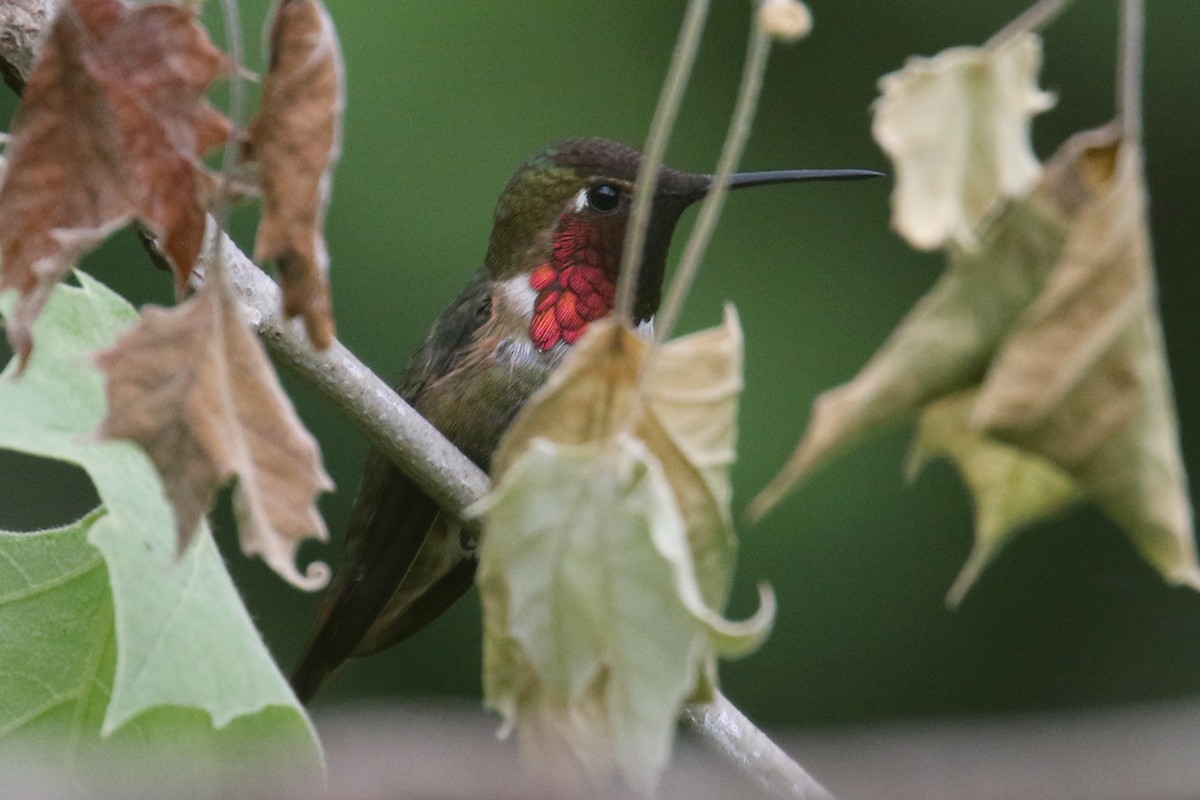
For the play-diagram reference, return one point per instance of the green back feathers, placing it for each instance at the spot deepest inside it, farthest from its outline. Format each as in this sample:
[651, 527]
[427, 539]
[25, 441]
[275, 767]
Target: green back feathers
[526, 214]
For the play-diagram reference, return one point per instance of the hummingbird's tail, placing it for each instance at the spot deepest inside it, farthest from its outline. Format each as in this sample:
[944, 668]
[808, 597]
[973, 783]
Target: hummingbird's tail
[308, 677]
[388, 525]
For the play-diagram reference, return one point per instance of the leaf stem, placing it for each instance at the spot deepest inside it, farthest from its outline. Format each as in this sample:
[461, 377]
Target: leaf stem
[1034, 18]
[682, 61]
[237, 106]
[1130, 62]
[757, 51]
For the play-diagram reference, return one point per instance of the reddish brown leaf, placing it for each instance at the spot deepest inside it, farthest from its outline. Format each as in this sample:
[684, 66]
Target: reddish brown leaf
[296, 139]
[112, 126]
[193, 386]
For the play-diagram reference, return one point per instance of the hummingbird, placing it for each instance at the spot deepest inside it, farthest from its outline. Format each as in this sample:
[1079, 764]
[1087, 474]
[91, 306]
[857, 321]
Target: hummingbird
[551, 268]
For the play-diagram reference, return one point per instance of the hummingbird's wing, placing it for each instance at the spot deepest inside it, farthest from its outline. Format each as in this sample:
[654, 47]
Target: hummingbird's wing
[438, 581]
[389, 523]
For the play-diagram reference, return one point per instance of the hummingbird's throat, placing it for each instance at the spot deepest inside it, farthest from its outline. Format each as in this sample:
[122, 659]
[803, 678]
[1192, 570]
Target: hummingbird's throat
[577, 285]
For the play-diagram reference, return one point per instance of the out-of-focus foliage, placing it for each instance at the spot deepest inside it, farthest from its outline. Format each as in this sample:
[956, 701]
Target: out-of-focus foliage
[1048, 305]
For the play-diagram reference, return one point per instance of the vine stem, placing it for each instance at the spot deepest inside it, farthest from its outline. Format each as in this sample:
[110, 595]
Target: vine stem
[1130, 63]
[236, 112]
[678, 74]
[1034, 18]
[398, 430]
[755, 67]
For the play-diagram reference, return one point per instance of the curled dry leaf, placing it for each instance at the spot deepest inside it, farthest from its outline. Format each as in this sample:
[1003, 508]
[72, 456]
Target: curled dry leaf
[296, 140]
[111, 127]
[194, 388]
[942, 345]
[1082, 380]
[1011, 487]
[606, 557]
[956, 127]
[1053, 319]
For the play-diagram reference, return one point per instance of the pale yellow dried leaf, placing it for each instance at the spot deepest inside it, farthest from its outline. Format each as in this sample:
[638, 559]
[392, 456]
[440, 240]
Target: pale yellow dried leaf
[1010, 488]
[549, 604]
[1054, 319]
[956, 127]
[596, 628]
[688, 420]
[943, 344]
[296, 140]
[193, 386]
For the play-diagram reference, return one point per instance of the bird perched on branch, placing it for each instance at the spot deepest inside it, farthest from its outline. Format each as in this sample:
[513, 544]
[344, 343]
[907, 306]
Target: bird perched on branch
[551, 268]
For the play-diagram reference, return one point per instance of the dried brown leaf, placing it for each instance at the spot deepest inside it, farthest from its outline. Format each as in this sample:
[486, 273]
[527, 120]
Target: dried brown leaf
[193, 386]
[1082, 380]
[112, 126]
[296, 140]
[1054, 320]
[1101, 282]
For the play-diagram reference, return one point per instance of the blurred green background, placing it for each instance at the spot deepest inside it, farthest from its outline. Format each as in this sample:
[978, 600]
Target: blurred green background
[445, 99]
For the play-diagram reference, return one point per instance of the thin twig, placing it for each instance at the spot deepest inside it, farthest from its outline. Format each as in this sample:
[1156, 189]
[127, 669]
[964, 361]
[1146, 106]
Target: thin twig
[682, 61]
[1129, 69]
[727, 730]
[236, 110]
[389, 424]
[1034, 18]
[757, 52]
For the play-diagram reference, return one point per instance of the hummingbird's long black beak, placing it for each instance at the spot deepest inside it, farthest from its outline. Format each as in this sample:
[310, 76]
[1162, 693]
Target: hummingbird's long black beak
[740, 179]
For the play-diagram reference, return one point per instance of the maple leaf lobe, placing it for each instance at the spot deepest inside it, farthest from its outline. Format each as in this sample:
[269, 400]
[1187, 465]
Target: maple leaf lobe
[193, 387]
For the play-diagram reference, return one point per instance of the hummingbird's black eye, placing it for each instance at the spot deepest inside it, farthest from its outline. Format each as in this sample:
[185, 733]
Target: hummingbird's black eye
[604, 197]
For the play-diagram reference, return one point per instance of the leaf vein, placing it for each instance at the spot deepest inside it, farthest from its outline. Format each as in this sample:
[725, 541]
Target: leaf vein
[62, 579]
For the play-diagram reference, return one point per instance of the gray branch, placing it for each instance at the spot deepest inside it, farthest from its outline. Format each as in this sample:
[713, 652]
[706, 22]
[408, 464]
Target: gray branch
[389, 423]
[21, 26]
[727, 731]
[394, 427]
[455, 482]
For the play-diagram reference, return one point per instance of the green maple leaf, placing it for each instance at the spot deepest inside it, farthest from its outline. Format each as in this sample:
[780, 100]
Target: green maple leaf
[161, 648]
